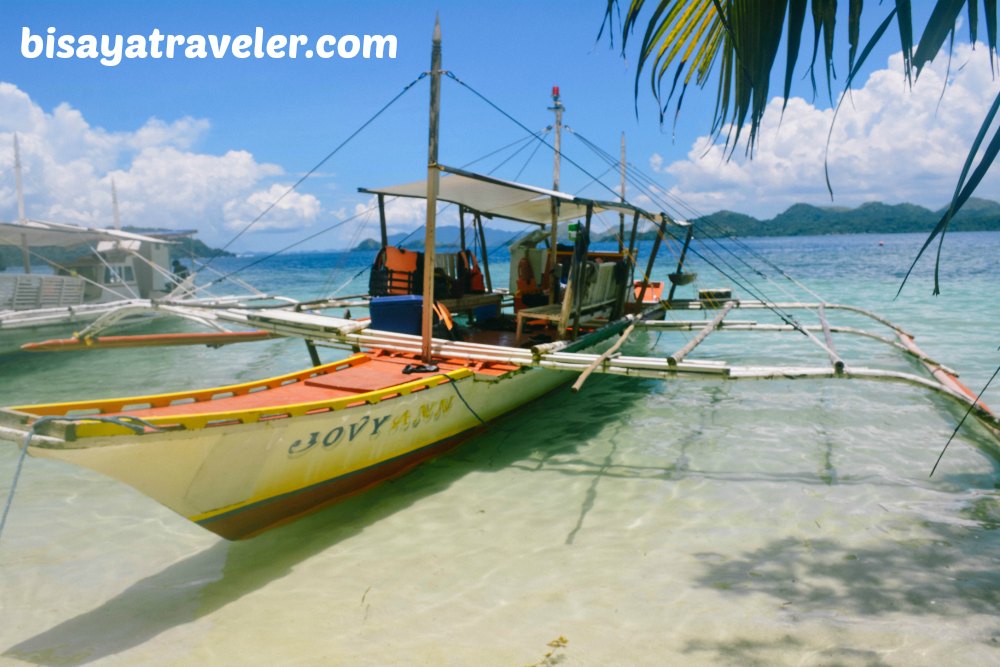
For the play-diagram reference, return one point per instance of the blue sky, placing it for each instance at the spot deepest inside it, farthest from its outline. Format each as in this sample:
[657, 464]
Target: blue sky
[207, 143]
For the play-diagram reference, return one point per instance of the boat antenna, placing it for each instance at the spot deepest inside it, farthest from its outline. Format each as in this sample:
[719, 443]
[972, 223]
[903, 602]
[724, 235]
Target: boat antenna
[25, 253]
[433, 183]
[558, 108]
[114, 205]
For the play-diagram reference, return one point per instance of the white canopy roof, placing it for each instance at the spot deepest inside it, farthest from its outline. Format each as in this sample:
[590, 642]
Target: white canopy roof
[40, 233]
[494, 197]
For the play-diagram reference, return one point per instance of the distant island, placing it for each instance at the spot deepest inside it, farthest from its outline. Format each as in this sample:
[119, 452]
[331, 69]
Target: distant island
[448, 238]
[185, 244]
[368, 244]
[978, 215]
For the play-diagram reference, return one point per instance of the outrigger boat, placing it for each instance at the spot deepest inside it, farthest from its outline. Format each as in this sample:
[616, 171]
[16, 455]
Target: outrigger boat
[123, 268]
[243, 458]
[113, 279]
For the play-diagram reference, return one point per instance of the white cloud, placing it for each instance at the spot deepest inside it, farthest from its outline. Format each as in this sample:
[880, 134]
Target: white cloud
[292, 210]
[403, 214]
[889, 144]
[69, 164]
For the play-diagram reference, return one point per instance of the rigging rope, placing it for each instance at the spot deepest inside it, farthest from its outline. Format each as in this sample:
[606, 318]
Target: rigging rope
[485, 99]
[134, 423]
[648, 186]
[964, 417]
[260, 260]
[321, 163]
[652, 192]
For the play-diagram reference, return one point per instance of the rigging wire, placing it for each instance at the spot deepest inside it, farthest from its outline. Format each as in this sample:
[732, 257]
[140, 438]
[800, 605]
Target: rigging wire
[784, 316]
[651, 188]
[485, 99]
[532, 135]
[742, 282]
[640, 180]
[321, 163]
[288, 247]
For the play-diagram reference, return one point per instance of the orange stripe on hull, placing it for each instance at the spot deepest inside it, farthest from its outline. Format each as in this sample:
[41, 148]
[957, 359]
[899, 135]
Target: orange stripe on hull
[148, 340]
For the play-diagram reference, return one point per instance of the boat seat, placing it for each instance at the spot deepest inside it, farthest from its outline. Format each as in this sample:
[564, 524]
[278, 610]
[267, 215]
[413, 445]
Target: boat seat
[553, 313]
[368, 376]
[600, 294]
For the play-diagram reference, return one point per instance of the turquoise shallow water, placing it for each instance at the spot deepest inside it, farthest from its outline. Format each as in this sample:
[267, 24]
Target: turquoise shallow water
[646, 522]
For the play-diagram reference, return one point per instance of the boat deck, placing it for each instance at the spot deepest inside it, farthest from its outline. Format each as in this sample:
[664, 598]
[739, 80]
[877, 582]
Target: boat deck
[358, 376]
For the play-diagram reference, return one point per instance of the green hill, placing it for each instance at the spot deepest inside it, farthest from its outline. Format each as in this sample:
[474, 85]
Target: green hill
[869, 218]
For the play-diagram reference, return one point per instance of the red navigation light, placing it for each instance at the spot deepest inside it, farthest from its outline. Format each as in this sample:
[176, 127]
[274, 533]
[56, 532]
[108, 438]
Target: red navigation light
[555, 92]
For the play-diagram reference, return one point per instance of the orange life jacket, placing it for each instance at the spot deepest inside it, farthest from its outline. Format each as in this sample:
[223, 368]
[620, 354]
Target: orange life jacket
[469, 273]
[396, 271]
[526, 283]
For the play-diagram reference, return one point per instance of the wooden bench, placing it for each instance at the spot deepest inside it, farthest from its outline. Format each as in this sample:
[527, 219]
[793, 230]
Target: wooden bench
[601, 294]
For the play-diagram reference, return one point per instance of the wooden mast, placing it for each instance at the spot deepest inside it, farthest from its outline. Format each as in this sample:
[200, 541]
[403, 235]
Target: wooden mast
[621, 214]
[433, 178]
[25, 253]
[557, 107]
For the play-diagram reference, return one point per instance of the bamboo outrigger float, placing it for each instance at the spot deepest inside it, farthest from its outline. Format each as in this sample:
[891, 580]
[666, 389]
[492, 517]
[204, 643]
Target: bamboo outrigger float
[244, 458]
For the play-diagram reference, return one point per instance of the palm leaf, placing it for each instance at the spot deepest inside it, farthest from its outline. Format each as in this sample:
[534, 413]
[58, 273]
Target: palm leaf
[737, 41]
[963, 190]
[796, 19]
[939, 26]
[854, 31]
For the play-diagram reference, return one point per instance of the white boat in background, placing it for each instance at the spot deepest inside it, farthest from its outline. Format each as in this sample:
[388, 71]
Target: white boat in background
[120, 269]
[73, 278]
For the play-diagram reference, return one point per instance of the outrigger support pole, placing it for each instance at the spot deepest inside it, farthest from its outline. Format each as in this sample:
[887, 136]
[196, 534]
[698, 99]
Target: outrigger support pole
[580, 264]
[835, 360]
[680, 261]
[660, 233]
[381, 220]
[313, 354]
[461, 226]
[716, 322]
[486, 256]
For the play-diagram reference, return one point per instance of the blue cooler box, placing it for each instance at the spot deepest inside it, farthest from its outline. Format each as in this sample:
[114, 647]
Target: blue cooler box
[401, 314]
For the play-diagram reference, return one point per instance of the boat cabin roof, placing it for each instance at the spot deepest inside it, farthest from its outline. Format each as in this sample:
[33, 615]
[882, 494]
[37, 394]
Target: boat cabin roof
[494, 197]
[38, 233]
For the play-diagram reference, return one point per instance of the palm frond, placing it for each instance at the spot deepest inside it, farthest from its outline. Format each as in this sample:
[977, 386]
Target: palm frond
[687, 41]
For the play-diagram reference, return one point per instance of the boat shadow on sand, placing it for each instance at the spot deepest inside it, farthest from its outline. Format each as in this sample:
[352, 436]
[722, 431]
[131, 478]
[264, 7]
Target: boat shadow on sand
[225, 572]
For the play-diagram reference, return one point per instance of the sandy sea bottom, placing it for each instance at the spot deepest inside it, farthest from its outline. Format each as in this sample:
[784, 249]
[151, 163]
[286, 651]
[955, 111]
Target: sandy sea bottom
[635, 523]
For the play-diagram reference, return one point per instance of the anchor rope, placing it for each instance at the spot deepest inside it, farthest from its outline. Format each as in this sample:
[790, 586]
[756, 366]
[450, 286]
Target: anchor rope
[134, 423]
[964, 417]
[454, 385]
